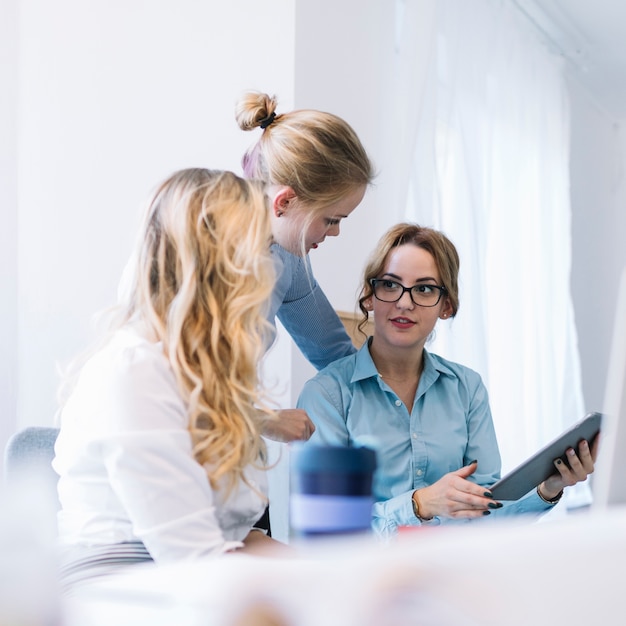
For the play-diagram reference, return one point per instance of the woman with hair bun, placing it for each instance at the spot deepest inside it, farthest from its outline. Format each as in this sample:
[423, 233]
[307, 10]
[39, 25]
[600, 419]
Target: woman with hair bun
[317, 172]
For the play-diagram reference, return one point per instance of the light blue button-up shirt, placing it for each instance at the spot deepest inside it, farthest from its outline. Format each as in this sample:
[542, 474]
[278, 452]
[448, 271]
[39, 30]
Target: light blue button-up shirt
[305, 312]
[449, 426]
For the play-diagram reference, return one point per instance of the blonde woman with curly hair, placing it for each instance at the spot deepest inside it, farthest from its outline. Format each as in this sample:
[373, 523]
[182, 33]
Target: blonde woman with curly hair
[159, 453]
[317, 172]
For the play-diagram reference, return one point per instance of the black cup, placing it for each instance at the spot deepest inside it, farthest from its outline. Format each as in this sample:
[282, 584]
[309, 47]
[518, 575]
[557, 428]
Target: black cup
[331, 489]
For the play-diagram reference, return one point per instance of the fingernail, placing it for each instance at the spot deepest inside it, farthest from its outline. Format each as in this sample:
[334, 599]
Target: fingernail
[571, 452]
[472, 462]
[486, 512]
[488, 494]
[495, 505]
[559, 462]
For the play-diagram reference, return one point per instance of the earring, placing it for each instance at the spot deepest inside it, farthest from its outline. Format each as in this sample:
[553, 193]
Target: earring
[279, 213]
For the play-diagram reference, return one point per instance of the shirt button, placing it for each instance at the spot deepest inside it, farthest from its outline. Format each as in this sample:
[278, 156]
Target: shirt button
[419, 473]
[398, 402]
[414, 435]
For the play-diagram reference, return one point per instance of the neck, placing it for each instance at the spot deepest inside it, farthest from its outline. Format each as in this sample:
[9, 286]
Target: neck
[401, 376]
[399, 368]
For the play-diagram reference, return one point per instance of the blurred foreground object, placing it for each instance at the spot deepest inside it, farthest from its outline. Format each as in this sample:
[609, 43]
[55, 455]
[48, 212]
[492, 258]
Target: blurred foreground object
[29, 592]
[331, 489]
[476, 575]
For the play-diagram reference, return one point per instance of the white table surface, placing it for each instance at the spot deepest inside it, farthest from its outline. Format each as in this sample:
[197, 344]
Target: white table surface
[569, 571]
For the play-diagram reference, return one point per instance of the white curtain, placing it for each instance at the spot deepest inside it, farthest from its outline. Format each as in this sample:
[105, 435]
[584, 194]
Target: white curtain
[406, 98]
[490, 167]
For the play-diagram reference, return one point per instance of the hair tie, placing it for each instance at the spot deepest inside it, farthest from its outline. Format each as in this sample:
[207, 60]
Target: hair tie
[266, 121]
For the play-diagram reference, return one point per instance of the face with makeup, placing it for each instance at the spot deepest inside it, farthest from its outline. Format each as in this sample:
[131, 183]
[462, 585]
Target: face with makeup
[405, 324]
[297, 230]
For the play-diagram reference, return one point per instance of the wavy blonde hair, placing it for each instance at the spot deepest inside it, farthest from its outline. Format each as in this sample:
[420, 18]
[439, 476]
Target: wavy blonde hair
[202, 280]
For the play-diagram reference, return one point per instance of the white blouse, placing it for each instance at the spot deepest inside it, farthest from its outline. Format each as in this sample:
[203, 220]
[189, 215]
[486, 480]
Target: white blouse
[127, 473]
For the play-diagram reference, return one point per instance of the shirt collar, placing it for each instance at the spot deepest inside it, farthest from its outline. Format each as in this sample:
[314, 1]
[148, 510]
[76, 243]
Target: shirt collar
[365, 368]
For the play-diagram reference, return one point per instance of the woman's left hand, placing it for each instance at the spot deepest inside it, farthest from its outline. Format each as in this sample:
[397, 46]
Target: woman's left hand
[580, 466]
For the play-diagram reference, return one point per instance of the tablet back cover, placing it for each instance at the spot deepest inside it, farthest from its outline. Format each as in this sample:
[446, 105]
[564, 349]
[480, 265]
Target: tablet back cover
[537, 468]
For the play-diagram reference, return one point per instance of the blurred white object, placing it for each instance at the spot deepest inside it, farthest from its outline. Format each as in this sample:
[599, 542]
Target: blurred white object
[609, 484]
[514, 573]
[29, 592]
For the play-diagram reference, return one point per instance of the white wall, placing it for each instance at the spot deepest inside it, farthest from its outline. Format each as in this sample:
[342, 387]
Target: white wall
[113, 95]
[598, 194]
[343, 54]
[8, 218]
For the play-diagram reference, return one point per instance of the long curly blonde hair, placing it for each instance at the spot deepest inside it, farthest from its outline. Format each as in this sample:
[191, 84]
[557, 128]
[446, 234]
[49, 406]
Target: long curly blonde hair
[202, 282]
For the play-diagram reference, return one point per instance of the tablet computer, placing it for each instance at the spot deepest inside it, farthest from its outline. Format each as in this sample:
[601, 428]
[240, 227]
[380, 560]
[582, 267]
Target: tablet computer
[537, 468]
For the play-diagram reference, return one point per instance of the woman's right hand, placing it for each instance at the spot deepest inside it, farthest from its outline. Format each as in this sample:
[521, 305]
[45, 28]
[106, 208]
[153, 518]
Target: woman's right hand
[453, 496]
[290, 425]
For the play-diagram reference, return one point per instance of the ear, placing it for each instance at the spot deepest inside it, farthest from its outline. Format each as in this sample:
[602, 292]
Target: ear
[283, 199]
[446, 311]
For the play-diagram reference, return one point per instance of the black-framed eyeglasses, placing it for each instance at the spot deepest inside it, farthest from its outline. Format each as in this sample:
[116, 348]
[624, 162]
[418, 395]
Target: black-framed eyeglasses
[387, 290]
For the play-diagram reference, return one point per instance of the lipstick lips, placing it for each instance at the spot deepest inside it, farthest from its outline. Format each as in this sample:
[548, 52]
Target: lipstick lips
[402, 322]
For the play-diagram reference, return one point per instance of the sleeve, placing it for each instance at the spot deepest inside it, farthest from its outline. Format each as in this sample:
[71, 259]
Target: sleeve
[150, 464]
[389, 515]
[531, 504]
[310, 319]
[321, 399]
[482, 443]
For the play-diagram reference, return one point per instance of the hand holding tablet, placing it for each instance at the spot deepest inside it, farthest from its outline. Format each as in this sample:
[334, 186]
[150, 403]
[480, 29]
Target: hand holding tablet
[540, 466]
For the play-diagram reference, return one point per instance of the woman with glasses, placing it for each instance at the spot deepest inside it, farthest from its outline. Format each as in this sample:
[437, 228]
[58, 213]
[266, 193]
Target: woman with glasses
[429, 418]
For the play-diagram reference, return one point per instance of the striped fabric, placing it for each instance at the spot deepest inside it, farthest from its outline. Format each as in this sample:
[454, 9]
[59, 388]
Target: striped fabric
[84, 563]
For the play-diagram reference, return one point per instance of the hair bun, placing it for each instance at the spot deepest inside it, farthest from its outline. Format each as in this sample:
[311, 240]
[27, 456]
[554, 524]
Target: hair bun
[255, 109]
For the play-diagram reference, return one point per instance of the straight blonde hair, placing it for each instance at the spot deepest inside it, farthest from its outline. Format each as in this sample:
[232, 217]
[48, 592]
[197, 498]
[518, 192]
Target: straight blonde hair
[317, 154]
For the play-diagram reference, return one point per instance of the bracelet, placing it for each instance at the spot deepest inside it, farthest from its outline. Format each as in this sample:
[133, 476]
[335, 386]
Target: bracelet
[416, 508]
[553, 500]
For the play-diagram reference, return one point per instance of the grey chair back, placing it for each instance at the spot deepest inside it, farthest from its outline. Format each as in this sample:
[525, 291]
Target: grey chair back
[29, 453]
